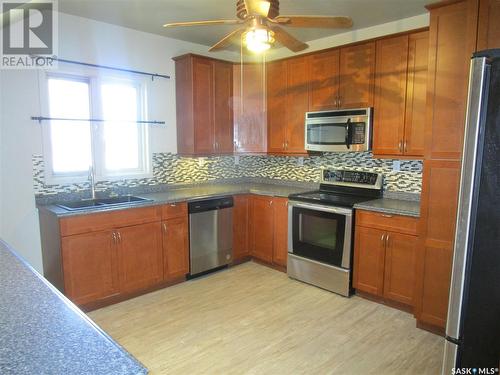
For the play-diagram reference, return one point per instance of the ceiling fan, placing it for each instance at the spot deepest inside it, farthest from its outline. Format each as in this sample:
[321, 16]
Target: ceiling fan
[260, 26]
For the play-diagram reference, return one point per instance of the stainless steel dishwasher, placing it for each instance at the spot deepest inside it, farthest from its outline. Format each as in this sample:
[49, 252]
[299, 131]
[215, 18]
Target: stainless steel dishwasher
[210, 234]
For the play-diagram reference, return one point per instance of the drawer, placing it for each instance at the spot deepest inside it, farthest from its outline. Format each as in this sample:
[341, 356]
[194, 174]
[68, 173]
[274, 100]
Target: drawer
[172, 210]
[108, 220]
[389, 222]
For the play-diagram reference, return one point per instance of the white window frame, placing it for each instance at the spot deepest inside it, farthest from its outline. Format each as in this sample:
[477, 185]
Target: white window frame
[95, 79]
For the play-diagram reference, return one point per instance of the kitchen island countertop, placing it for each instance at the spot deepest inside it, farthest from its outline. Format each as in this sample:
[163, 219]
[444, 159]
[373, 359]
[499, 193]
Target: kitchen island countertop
[42, 332]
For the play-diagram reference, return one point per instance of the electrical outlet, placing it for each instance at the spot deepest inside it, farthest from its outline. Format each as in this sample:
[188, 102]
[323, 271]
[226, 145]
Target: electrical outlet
[300, 161]
[396, 165]
[236, 160]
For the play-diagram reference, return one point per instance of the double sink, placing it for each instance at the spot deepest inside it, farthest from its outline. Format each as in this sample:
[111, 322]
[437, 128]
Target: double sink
[85, 204]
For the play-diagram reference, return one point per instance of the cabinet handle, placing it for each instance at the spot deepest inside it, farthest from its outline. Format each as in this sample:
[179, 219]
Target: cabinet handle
[119, 237]
[286, 145]
[173, 205]
[400, 144]
[382, 238]
[386, 215]
[405, 147]
[340, 101]
[113, 236]
[164, 228]
[270, 203]
[387, 240]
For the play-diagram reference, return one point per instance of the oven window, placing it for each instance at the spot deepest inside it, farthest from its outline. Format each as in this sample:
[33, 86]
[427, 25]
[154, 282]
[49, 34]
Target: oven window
[318, 235]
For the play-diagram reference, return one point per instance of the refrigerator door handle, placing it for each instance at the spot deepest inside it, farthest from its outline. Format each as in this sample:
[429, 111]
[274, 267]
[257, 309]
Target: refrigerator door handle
[479, 73]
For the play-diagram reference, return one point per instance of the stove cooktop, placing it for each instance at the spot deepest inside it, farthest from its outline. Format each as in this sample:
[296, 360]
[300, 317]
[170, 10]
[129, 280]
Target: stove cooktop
[329, 198]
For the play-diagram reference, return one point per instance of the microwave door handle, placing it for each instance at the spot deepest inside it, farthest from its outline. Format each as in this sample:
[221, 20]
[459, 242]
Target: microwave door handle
[348, 135]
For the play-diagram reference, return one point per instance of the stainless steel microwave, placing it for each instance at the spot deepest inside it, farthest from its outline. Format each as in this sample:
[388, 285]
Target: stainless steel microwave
[344, 130]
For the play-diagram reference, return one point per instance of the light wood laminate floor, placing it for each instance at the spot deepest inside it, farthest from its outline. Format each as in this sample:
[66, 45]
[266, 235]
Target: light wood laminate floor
[251, 319]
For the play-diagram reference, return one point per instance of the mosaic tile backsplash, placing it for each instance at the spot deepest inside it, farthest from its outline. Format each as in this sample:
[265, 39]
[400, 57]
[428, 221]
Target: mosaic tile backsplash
[170, 168]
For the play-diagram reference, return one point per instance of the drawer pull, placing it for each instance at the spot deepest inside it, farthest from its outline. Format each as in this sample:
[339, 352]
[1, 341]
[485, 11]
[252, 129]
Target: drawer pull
[385, 215]
[173, 205]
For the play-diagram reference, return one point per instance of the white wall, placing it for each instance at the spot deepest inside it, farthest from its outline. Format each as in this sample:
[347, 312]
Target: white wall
[88, 41]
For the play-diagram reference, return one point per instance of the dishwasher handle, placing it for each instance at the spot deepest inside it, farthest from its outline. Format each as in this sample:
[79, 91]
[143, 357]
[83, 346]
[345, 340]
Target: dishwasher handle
[210, 205]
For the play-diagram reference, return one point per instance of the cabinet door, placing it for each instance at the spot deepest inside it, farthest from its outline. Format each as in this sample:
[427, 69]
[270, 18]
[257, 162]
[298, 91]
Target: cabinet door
[297, 104]
[240, 227]
[276, 105]
[452, 40]
[416, 93]
[261, 228]
[369, 258]
[250, 130]
[400, 267]
[280, 242]
[223, 107]
[140, 256]
[324, 70]
[175, 248]
[203, 105]
[390, 96]
[489, 28]
[89, 266]
[357, 68]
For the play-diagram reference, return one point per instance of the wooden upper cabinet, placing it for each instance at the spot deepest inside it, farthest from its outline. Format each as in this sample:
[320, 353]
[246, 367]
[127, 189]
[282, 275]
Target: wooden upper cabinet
[140, 256]
[175, 247]
[400, 95]
[297, 104]
[261, 228]
[452, 40]
[90, 266]
[369, 258]
[240, 226]
[250, 131]
[204, 90]
[489, 27]
[357, 73]
[276, 105]
[390, 95]
[416, 93]
[223, 105]
[324, 73]
[280, 243]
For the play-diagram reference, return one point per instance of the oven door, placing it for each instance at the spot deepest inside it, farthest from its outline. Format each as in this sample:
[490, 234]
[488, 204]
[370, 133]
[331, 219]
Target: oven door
[320, 233]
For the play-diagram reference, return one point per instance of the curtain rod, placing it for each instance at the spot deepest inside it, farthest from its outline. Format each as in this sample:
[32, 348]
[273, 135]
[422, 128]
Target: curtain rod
[153, 75]
[42, 118]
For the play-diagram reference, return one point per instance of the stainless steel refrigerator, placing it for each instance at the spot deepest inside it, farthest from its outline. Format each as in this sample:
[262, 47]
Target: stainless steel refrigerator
[473, 326]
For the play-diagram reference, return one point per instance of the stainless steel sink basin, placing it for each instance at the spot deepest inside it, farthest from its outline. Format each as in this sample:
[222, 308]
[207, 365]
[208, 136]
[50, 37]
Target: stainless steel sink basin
[85, 204]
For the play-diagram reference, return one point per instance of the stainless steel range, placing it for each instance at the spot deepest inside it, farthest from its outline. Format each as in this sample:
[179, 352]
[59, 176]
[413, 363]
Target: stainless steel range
[321, 228]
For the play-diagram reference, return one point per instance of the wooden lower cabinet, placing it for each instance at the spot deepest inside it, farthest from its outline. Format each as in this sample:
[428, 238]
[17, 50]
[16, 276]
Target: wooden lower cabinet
[400, 268]
[369, 256]
[261, 228]
[139, 256]
[90, 266]
[241, 247]
[385, 261]
[175, 248]
[268, 228]
[280, 242]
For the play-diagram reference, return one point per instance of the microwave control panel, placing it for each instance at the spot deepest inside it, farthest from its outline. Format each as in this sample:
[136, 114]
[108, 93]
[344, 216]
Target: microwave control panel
[350, 177]
[358, 133]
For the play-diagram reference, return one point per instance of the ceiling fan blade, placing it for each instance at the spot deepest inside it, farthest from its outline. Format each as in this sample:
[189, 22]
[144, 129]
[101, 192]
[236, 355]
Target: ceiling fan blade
[288, 40]
[203, 23]
[232, 37]
[315, 21]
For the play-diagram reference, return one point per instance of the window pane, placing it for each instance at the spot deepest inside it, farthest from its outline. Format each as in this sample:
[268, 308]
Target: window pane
[70, 140]
[121, 138]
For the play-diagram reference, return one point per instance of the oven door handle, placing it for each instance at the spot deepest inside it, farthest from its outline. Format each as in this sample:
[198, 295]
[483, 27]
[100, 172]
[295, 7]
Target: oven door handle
[314, 207]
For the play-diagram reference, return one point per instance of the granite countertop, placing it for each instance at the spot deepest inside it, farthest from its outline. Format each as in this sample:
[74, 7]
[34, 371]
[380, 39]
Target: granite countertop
[392, 206]
[41, 332]
[193, 193]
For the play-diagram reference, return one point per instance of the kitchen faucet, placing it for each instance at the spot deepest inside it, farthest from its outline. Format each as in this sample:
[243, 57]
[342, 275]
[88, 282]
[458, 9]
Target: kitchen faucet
[92, 181]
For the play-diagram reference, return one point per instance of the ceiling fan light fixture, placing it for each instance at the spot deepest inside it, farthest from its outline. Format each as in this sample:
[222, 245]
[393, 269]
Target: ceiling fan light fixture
[258, 39]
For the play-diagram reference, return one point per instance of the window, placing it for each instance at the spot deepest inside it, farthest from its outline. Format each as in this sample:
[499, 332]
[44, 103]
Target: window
[116, 147]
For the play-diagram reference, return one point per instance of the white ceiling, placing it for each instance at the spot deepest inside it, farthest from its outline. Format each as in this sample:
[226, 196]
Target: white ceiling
[150, 15]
